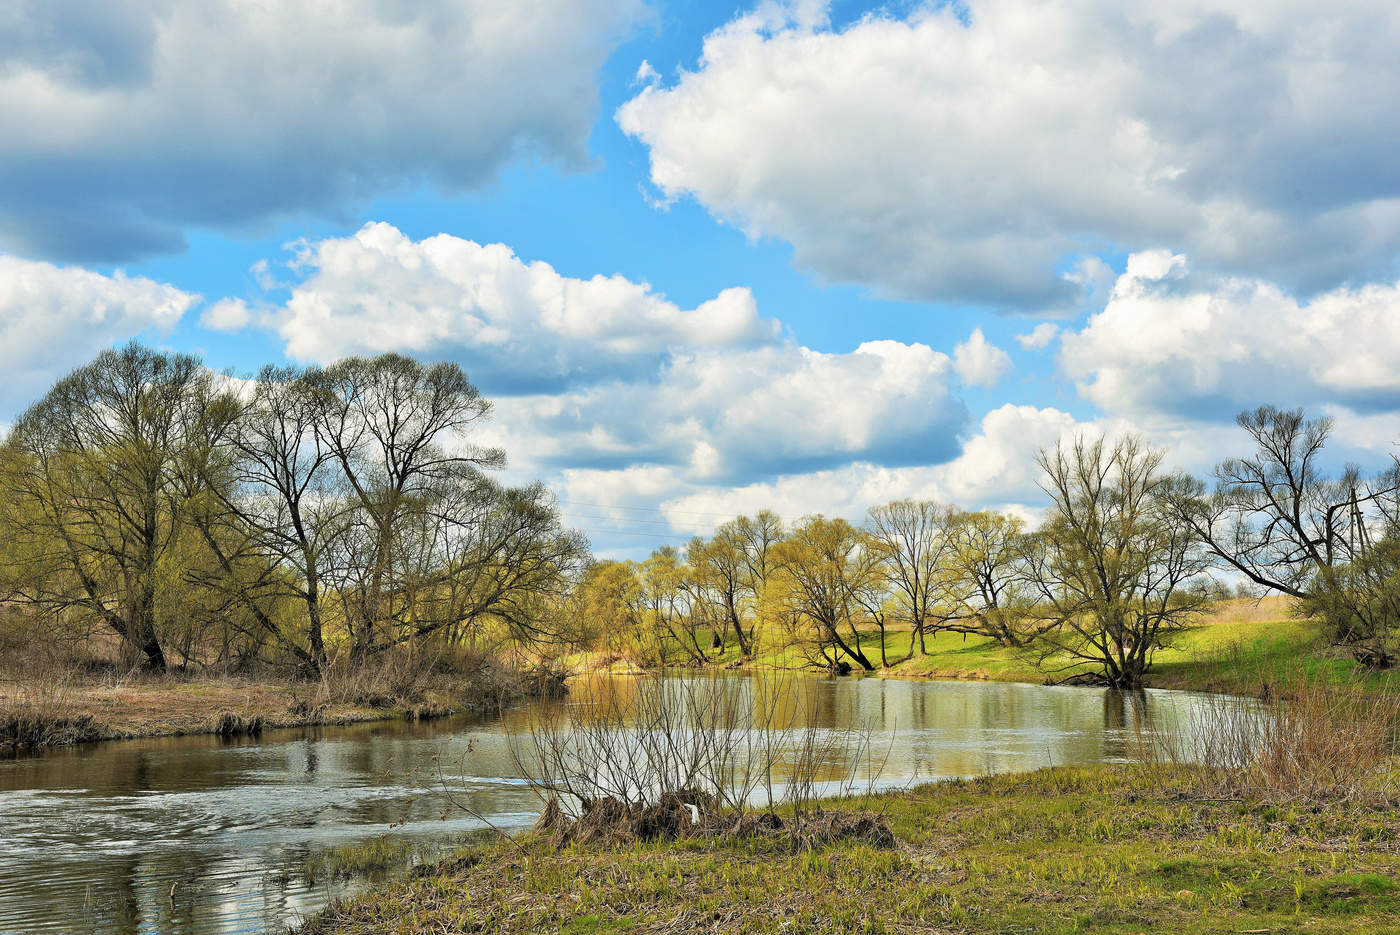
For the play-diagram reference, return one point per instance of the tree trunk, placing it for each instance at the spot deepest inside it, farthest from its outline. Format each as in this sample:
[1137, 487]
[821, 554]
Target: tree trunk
[739, 632]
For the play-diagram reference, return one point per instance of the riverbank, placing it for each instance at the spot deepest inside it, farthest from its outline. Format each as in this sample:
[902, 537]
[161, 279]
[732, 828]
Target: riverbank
[1110, 849]
[46, 713]
[1242, 647]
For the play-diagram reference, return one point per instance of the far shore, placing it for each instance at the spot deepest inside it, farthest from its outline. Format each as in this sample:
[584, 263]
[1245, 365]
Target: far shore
[41, 714]
[1246, 646]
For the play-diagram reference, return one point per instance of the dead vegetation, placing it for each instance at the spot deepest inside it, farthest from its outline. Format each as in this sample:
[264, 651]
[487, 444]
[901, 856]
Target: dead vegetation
[67, 704]
[610, 821]
[1316, 740]
[704, 757]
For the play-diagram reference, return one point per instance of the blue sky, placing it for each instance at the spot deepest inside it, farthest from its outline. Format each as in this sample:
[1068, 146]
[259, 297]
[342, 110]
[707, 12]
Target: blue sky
[826, 232]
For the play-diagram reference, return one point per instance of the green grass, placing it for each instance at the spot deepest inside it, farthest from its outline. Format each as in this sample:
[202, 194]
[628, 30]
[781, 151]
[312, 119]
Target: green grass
[366, 858]
[1110, 849]
[1241, 647]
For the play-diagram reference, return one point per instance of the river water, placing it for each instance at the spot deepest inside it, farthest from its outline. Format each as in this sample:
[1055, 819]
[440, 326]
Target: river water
[198, 836]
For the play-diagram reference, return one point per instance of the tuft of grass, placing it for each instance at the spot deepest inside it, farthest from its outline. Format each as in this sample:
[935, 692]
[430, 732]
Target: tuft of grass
[47, 716]
[365, 858]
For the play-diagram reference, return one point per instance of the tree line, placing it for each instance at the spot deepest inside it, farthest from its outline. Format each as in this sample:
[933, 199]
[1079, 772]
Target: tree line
[1127, 554]
[204, 519]
[200, 519]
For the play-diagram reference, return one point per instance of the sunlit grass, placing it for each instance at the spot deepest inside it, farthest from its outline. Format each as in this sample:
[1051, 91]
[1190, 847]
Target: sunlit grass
[1242, 646]
[1064, 850]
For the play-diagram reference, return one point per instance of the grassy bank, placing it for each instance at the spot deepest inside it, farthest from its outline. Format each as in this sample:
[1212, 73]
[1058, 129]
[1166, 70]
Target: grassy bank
[47, 711]
[1112, 849]
[1241, 647]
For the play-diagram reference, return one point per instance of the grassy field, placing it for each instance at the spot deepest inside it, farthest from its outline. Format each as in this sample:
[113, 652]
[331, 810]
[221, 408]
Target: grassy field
[1111, 849]
[1242, 646]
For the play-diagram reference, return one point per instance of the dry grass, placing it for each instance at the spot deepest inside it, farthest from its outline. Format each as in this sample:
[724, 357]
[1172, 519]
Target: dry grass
[1318, 740]
[1249, 610]
[43, 709]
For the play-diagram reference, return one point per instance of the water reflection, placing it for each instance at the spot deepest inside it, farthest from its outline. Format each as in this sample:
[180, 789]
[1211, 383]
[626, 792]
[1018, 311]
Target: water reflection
[200, 835]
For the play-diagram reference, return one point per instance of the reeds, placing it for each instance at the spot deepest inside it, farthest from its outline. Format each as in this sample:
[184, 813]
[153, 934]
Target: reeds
[1319, 739]
[44, 715]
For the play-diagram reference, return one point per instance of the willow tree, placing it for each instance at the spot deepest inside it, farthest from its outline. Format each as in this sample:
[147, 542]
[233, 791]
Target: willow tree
[721, 568]
[985, 582]
[1113, 561]
[95, 472]
[825, 564]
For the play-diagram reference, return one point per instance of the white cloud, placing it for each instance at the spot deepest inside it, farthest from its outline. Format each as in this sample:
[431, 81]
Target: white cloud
[968, 152]
[227, 315]
[718, 415]
[123, 123]
[646, 74]
[1039, 337]
[517, 326]
[605, 373]
[53, 319]
[979, 362]
[995, 469]
[1172, 340]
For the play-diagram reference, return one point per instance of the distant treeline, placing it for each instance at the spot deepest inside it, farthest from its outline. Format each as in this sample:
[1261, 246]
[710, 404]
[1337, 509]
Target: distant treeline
[1125, 555]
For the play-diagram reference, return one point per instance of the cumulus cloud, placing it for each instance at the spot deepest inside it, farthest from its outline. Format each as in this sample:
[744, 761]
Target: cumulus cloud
[54, 318]
[519, 327]
[1039, 337]
[979, 362]
[972, 153]
[1175, 340]
[995, 469]
[122, 123]
[605, 373]
[227, 315]
[724, 415]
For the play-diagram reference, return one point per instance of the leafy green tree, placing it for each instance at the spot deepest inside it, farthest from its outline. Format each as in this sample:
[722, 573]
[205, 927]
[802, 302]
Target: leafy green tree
[826, 566]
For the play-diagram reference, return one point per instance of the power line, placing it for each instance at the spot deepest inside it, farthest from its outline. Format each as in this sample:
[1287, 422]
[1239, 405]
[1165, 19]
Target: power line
[630, 519]
[633, 532]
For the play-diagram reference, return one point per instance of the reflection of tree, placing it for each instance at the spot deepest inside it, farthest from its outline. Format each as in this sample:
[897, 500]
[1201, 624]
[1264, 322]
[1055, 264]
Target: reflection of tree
[313, 759]
[1126, 715]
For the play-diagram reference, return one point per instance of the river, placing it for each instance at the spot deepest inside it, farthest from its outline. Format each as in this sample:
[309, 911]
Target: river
[203, 836]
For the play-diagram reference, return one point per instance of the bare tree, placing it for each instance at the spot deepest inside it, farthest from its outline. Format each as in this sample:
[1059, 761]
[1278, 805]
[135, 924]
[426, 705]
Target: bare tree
[912, 539]
[1112, 562]
[397, 430]
[1275, 516]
